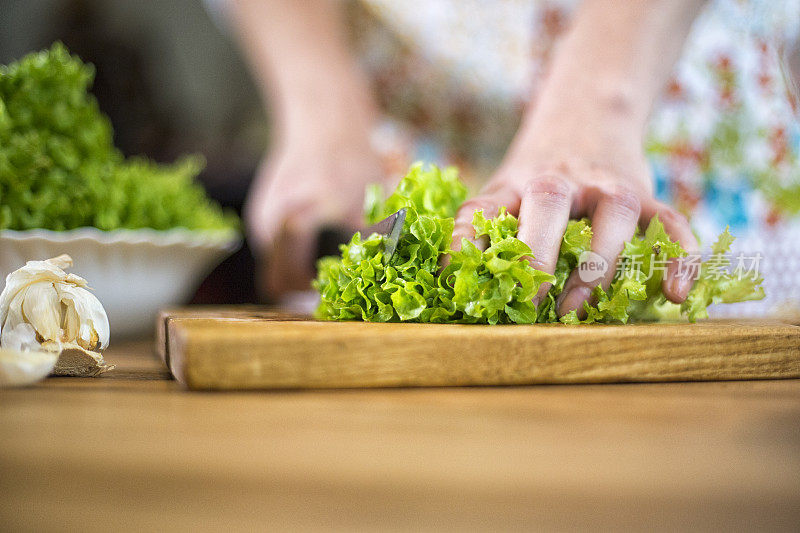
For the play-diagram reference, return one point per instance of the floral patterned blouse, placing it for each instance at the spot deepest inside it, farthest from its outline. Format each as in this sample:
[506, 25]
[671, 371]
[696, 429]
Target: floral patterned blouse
[723, 141]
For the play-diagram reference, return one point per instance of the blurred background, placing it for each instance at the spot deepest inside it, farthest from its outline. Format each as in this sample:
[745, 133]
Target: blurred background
[172, 82]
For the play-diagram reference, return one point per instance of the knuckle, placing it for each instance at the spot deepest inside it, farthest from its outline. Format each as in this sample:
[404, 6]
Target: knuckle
[494, 186]
[672, 217]
[486, 204]
[539, 264]
[463, 220]
[462, 226]
[625, 200]
[550, 185]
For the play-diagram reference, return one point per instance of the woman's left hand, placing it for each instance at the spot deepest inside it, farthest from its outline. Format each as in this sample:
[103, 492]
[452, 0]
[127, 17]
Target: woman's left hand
[587, 163]
[579, 150]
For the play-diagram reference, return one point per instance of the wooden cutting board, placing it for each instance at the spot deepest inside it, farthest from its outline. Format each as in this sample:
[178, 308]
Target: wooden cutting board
[232, 348]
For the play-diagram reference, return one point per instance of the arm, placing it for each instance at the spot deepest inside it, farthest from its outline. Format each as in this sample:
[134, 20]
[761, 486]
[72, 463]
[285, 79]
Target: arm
[320, 159]
[298, 54]
[579, 149]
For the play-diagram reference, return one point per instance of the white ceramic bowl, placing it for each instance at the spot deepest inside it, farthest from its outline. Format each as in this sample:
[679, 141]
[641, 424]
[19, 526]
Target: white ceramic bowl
[134, 273]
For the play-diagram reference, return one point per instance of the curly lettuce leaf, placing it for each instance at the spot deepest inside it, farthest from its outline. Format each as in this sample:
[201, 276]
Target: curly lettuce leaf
[428, 191]
[362, 285]
[497, 285]
[717, 284]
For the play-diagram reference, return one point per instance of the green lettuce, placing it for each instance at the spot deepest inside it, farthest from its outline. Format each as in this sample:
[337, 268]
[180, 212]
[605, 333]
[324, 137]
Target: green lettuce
[497, 285]
[59, 168]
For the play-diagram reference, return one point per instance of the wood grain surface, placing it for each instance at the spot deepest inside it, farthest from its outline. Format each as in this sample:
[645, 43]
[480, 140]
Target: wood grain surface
[132, 450]
[254, 348]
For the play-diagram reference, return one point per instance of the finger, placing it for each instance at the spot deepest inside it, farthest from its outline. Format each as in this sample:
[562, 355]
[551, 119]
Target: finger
[543, 218]
[614, 219]
[266, 218]
[490, 203]
[679, 278]
[288, 265]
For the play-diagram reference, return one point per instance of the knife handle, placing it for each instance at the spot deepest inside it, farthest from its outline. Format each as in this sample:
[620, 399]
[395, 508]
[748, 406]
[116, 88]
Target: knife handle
[329, 238]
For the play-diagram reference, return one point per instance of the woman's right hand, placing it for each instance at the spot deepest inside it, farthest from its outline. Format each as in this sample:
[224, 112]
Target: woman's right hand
[323, 115]
[311, 180]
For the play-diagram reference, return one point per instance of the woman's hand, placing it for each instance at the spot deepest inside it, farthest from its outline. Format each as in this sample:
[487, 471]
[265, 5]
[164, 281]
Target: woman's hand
[579, 150]
[302, 186]
[546, 186]
[323, 115]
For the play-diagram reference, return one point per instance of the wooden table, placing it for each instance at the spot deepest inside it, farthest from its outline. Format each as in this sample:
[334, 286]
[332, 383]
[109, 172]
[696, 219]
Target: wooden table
[131, 450]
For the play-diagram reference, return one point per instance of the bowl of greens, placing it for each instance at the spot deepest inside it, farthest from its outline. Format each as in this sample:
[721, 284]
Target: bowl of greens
[144, 233]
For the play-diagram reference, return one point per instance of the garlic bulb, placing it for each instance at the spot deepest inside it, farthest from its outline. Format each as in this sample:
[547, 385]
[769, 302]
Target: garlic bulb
[41, 304]
[44, 309]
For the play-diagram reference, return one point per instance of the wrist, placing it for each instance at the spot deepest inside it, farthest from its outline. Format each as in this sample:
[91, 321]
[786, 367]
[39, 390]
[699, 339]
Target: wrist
[598, 122]
[596, 101]
[343, 108]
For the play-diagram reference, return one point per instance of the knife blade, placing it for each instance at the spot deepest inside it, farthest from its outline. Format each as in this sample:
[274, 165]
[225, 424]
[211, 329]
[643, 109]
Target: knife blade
[329, 238]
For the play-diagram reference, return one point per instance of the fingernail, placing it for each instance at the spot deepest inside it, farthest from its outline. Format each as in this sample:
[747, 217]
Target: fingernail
[573, 299]
[680, 282]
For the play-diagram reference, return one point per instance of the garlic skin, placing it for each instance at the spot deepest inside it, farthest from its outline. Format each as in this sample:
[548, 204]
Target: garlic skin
[44, 308]
[18, 368]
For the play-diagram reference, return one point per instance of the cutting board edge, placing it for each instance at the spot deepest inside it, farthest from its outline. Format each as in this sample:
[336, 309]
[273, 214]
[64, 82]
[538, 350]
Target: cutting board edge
[196, 369]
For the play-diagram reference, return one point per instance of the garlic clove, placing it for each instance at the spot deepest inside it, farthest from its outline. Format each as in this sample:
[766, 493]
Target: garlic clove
[85, 311]
[75, 360]
[41, 309]
[18, 368]
[33, 272]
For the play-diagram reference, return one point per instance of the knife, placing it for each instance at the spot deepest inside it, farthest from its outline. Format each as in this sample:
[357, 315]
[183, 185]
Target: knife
[330, 237]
